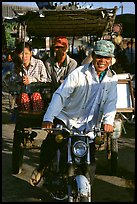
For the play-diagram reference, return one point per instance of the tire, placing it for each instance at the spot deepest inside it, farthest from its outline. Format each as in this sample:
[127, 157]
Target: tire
[17, 152]
[84, 199]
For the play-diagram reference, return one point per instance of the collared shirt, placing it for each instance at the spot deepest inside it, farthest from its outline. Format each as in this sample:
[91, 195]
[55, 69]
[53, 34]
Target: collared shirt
[36, 71]
[102, 75]
[60, 73]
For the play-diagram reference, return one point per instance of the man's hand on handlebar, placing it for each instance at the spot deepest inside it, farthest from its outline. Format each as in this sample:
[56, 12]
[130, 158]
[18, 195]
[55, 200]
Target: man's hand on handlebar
[108, 128]
[47, 125]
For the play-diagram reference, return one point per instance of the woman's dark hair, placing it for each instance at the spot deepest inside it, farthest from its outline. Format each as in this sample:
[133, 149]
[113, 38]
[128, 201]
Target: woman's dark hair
[20, 47]
[16, 59]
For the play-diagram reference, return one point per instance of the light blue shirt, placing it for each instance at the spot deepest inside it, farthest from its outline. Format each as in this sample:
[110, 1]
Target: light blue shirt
[82, 100]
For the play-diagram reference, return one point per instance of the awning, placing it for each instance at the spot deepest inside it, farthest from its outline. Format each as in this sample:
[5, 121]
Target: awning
[80, 22]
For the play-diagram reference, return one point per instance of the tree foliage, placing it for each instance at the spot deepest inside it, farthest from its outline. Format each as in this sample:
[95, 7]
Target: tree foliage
[8, 30]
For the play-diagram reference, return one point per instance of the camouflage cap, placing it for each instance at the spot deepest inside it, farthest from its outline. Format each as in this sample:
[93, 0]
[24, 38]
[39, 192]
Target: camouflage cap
[104, 48]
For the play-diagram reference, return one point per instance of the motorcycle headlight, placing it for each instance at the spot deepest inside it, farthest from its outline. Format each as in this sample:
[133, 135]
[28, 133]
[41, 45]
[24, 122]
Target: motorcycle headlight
[79, 148]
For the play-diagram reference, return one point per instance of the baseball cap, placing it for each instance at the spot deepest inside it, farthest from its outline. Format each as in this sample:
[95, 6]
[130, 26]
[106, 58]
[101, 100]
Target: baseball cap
[61, 41]
[104, 48]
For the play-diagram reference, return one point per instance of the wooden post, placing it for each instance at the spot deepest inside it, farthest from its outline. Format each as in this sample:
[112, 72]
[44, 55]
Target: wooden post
[73, 44]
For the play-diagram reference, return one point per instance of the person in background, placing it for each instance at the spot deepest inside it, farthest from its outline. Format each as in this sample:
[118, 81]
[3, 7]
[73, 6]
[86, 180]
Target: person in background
[28, 70]
[3, 58]
[7, 68]
[60, 65]
[86, 99]
[130, 54]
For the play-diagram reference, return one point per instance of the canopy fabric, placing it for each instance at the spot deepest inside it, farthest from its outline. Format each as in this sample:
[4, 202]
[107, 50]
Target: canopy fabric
[80, 22]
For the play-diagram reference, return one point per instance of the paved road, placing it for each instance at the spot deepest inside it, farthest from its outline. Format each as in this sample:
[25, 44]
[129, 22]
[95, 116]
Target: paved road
[106, 188]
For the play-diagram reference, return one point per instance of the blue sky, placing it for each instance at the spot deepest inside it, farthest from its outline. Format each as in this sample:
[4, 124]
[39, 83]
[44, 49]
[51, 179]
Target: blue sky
[128, 7]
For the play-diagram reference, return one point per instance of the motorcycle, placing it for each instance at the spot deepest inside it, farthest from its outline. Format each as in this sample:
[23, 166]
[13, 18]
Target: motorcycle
[68, 178]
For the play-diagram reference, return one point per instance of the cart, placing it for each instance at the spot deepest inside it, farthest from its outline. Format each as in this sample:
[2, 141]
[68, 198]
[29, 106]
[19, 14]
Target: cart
[37, 26]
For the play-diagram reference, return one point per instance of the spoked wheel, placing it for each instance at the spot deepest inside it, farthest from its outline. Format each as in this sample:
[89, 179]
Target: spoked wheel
[17, 152]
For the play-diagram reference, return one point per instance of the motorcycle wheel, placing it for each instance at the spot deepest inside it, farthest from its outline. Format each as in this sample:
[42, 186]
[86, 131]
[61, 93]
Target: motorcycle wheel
[80, 199]
[17, 153]
[84, 199]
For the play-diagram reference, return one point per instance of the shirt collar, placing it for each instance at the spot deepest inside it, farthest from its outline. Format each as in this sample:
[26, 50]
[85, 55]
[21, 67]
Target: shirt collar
[32, 61]
[64, 63]
[102, 75]
[93, 70]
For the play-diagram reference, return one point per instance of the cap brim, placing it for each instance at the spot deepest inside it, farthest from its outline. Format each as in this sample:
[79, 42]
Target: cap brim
[59, 44]
[105, 54]
[89, 59]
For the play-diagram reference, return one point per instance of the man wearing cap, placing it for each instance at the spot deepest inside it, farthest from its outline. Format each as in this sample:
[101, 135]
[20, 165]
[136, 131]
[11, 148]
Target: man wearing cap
[86, 99]
[59, 66]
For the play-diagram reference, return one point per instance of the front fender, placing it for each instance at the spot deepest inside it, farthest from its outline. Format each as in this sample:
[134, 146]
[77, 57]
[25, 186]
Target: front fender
[83, 185]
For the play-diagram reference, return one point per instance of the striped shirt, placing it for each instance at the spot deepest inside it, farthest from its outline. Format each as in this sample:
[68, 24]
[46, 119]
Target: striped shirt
[36, 71]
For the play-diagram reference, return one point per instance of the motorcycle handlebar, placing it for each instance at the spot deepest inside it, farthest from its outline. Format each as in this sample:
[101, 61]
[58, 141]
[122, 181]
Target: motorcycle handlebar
[58, 128]
[61, 127]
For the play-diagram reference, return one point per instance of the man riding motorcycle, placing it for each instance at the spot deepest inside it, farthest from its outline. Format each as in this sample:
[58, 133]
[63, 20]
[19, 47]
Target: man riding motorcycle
[84, 100]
